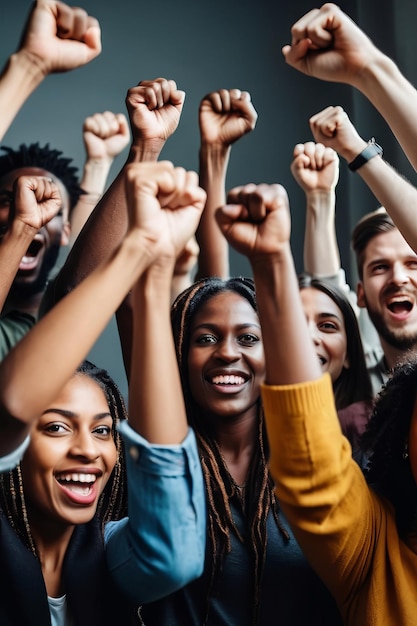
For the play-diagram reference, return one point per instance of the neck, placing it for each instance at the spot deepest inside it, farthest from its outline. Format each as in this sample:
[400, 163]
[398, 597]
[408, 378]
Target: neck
[236, 441]
[51, 545]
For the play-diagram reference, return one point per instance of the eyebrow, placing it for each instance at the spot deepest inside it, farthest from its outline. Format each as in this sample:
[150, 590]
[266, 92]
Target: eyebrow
[324, 314]
[213, 326]
[71, 414]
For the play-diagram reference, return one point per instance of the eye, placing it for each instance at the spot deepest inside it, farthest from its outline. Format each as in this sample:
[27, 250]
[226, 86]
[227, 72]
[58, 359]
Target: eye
[328, 326]
[249, 339]
[412, 265]
[104, 432]
[379, 269]
[206, 338]
[56, 428]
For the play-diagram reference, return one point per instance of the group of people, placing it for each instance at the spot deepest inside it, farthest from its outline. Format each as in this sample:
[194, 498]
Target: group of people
[264, 469]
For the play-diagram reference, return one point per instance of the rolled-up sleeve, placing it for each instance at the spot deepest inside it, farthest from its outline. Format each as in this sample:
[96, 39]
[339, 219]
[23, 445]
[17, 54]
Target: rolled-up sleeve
[160, 546]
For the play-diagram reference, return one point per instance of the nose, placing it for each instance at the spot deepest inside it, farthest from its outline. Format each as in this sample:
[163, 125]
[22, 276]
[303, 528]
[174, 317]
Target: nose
[227, 350]
[84, 446]
[314, 332]
[399, 274]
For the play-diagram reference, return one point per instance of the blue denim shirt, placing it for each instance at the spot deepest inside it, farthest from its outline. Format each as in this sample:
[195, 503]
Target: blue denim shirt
[160, 547]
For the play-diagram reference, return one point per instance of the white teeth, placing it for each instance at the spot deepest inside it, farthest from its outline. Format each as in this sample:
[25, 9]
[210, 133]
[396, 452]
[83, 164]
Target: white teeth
[228, 380]
[82, 491]
[79, 478]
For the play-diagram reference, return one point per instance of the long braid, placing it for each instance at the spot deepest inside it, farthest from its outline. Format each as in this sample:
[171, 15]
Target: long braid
[259, 497]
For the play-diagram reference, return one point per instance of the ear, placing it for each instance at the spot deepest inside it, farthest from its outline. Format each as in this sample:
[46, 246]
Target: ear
[65, 235]
[346, 363]
[360, 295]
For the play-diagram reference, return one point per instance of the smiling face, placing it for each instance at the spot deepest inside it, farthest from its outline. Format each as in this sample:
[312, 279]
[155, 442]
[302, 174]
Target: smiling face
[70, 457]
[389, 289]
[43, 251]
[226, 362]
[327, 329]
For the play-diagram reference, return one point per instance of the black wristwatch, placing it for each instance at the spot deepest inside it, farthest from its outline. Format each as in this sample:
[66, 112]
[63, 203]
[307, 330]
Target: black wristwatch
[371, 150]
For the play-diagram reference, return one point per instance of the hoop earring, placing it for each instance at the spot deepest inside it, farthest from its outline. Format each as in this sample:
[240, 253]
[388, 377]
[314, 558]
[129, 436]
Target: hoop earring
[405, 451]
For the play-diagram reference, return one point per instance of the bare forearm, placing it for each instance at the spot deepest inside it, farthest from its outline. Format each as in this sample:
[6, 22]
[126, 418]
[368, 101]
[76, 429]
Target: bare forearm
[289, 353]
[395, 193]
[62, 338]
[396, 100]
[13, 247]
[104, 229]
[321, 252]
[156, 405]
[214, 249]
[20, 77]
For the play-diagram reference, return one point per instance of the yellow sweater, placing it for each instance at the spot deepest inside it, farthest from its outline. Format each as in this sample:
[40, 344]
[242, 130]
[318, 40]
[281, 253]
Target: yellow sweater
[346, 531]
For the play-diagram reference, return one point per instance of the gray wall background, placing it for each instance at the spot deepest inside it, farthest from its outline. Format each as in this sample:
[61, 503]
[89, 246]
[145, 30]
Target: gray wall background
[205, 46]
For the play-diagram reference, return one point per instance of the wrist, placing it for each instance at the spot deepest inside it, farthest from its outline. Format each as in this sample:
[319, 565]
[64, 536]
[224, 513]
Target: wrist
[145, 150]
[371, 150]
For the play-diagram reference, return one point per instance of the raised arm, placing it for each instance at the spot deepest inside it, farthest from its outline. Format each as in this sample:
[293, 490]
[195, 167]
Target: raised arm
[327, 44]
[316, 170]
[257, 223]
[35, 201]
[333, 127]
[105, 136]
[33, 373]
[154, 108]
[224, 117]
[56, 38]
[161, 548]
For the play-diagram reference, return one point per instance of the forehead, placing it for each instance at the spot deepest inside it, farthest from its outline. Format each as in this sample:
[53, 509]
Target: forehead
[7, 181]
[316, 302]
[390, 245]
[226, 306]
[82, 394]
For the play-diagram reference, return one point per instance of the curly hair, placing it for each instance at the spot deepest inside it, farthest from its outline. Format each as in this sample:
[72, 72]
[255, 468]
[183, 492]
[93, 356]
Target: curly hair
[46, 158]
[385, 438]
[259, 497]
[113, 500]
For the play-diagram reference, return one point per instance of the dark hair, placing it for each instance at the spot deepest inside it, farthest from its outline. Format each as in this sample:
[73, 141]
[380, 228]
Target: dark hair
[353, 384]
[368, 227]
[259, 497]
[45, 158]
[385, 438]
[113, 500]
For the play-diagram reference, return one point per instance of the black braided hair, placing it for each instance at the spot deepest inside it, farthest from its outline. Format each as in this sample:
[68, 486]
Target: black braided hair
[220, 486]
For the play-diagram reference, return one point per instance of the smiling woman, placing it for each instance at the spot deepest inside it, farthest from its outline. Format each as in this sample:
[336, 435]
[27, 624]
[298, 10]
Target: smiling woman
[253, 563]
[72, 549]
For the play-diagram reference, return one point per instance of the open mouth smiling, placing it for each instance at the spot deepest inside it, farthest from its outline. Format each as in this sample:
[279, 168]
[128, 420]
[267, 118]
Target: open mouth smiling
[30, 260]
[228, 379]
[79, 483]
[400, 305]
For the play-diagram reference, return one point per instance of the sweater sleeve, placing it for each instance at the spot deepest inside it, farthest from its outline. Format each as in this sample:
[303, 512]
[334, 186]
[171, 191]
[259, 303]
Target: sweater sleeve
[321, 489]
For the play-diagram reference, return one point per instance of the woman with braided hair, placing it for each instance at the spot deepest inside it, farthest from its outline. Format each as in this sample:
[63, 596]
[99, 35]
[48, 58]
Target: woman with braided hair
[253, 566]
[70, 552]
